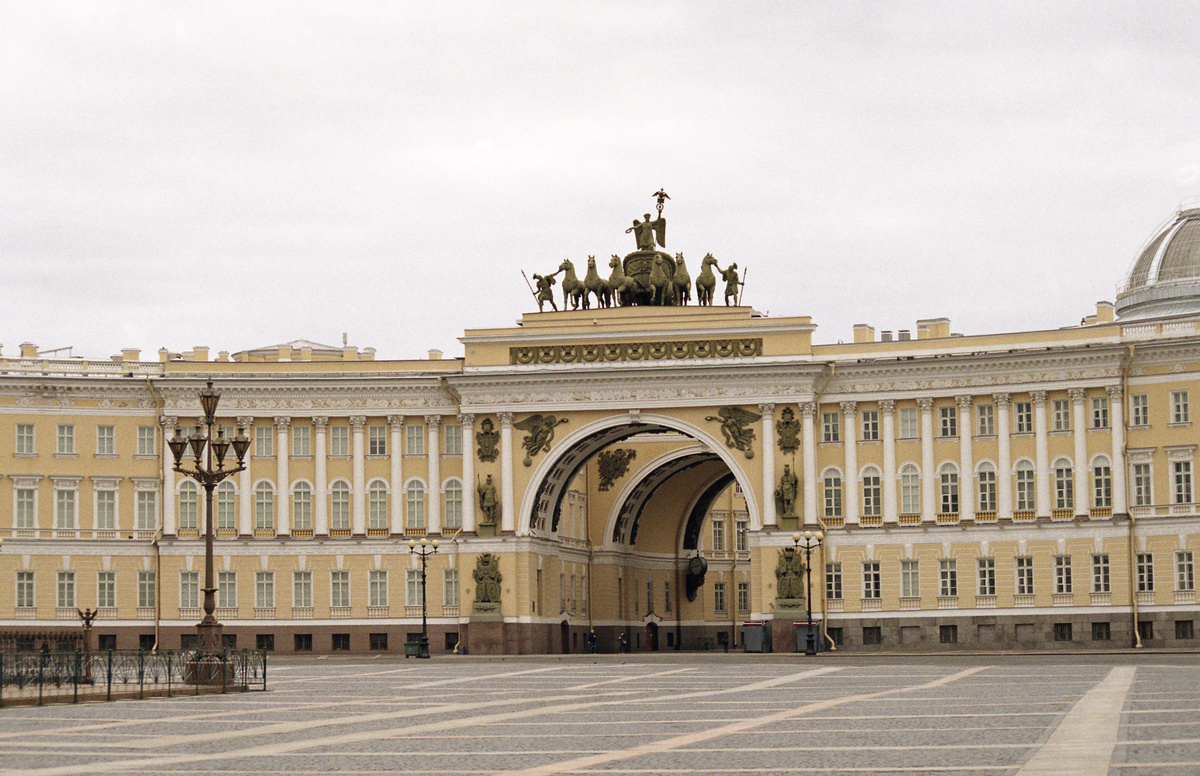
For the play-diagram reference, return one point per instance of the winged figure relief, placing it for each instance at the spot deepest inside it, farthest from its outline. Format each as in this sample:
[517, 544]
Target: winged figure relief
[735, 427]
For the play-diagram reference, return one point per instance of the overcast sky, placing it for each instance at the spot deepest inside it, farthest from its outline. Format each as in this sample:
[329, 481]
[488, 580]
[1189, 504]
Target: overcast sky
[242, 174]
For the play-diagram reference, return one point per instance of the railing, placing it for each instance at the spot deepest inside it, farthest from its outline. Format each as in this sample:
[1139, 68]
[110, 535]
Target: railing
[1062, 599]
[909, 603]
[985, 517]
[1023, 599]
[1185, 596]
[1061, 515]
[947, 518]
[38, 677]
[909, 518]
[1145, 597]
[872, 605]
[985, 602]
[947, 602]
[1101, 599]
[870, 521]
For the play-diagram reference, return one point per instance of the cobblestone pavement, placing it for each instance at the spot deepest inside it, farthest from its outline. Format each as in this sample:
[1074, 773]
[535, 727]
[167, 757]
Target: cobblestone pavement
[1132, 715]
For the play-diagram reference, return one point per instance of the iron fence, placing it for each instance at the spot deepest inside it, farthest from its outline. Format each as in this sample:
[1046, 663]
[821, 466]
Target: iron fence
[28, 677]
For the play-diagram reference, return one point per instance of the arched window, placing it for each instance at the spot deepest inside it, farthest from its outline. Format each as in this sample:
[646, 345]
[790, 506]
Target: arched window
[1064, 484]
[302, 507]
[415, 498]
[453, 505]
[1101, 483]
[832, 493]
[377, 506]
[872, 492]
[910, 489]
[226, 507]
[1026, 498]
[264, 506]
[987, 487]
[948, 479]
[189, 505]
[339, 506]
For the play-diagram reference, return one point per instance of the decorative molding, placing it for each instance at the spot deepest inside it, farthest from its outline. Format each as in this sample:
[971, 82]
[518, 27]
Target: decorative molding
[635, 351]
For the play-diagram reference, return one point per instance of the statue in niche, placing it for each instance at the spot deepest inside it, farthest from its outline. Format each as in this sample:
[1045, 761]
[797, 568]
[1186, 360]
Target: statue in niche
[487, 579]
[489, 504]
[613, 465]
[787, 431]
[789, 576]
[488, 438]
[735, 428]
[785, 494]
[541, 434]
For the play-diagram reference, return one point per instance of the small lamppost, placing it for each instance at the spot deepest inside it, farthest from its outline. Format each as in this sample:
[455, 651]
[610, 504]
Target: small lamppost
[208, 468]
[427, 548]
[811, 540]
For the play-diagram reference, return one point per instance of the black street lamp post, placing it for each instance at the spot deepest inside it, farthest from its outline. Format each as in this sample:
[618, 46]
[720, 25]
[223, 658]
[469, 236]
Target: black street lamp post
[427, 548]
[811, 540]
[208, 468]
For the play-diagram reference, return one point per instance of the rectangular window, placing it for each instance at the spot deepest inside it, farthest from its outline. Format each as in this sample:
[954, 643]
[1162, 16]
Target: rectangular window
[301, 589]
[66, 439]
[718, 535]
[908, 423]
[833, 581]
[872, 495]
[1023, 417]
[743, 593]
[1026, 488]
[1183, 481]
[1145, 572]
[450, 587]
[414, 440]
[1101, 485]
[1062, 631]
[743, 528]
[1024, 580]
[377, 588]
[1060, 410]
[106, 509]
[25, 597]
[1062, 574]
[264, 441]
[948, 634]
[264, 590]
[452, 439]
[948, 417]
[667, 596]
[1145, 630]
[872, 635]
[413, 587]
[339, 441]
[227, 590]
[1179, 407]
[24, 444]
[830, 427]
[106, 589]
[1185, 578]
[189, 589]
[106, 440]
[1139, 410]
[301, 441]
[146, 590]
[66, 590]
[64, 509]
[870, 425]
[872, 587]
[147, 440]
[25, 508]
[987, 576]
[910, 579]
[339, 589]
[986, 420]
[147, 510]
[1100, 574]
[1100, 412]
[1101, 631]
[1142, 485]
[948, 577]
[987, 489]
[1064, 487]
[377, 440]
[719, 596]
[832, 487]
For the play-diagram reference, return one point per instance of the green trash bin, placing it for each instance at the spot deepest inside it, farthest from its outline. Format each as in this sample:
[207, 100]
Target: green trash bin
[412, 649]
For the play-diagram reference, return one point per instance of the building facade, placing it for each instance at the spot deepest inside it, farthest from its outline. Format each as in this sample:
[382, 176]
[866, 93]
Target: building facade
[1028, 489]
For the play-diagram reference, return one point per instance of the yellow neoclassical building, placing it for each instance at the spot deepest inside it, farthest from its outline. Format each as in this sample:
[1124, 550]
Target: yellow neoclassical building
[637, 471]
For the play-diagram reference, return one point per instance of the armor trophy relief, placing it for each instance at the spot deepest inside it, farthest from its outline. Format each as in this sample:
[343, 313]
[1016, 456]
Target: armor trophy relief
[648, 276]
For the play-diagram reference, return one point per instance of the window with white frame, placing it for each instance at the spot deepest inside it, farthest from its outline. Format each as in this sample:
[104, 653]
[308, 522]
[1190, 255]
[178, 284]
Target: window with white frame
[1100, 574]
[264, 441]
[415, 501]
[1099, 412]
[106, 440]
[948, 480]
[908, 423]
[302, 507]
[1182, 474]
[339, 441]
[872, 579]
[147, 592]
[948, 578]
[910, 489]
[377, 505]
[189, 590]
[339, 589]
[377, 440]
[414, 440]
[450, 587]
[667, 595]
[106, 509]
[1024, 575]
[66, 590]
[302, 597]
[413, 587]
[870, 425]
[1145, 572]
[264, 590]
[66, 439]
[1139, 410]
[227, 590]
[1101, 482]
[226, 507]
[25, 508]
[719, 596]
[718, 533]
[25, 590]
[147, 440]
[986, 568]
[377, 587]
[831, 427]
[985, 420]
[452, 504]
[741, 529]
[1023, 417]
[986, 476]
[910, 579]
[106, 589]
[1062, 575]
[24, 443]
[872, 492]
[1026, 487]
[452, 439]
[189, 505]
[833, 581]
[146, 504]
[1185, 577]
[1060, 414]
[1143, 491]
[1064, 484]
[301, 441]
[743, 596]
[339, 506]
[264, 506]
[65, 508]
[1179, 407]
[948, 421]
[831, 487]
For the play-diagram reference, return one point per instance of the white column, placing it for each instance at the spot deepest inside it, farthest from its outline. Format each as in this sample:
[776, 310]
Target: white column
[1117, 400]
[1042, 444]
[508, 521]
[284, 488]
[929, 499]
[358, 488]
[850, 429]
[966, 460]
[245, 486]
[168, 511]
[396, 451]
[469, 494]
[432, 425]
[1004, 492]
[808, 412]
[891, 512]
[1079, 435]
[769, 518]
[321, 486]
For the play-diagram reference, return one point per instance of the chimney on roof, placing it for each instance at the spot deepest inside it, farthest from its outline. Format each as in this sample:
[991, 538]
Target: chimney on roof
[864, 332]
[435, 354]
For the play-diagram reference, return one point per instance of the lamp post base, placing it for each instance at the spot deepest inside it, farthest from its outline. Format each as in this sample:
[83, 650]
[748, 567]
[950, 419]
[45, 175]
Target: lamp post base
[208, 636]
[423, 648]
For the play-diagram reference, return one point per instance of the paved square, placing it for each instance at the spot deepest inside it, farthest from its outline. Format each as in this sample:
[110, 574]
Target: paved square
[663, 713]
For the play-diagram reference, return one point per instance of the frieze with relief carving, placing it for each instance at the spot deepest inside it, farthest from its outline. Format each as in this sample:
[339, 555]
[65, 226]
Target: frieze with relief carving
[635, 351]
